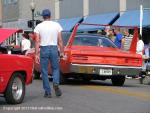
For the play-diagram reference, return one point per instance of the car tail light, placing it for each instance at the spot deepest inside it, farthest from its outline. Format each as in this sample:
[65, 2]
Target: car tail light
[79, 57]
[133, 61]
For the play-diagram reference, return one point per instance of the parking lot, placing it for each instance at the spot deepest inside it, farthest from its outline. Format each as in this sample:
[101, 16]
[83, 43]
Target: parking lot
[78, 97]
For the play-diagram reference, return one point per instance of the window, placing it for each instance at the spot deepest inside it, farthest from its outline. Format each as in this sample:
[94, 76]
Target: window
[86, 40]
[6, 2]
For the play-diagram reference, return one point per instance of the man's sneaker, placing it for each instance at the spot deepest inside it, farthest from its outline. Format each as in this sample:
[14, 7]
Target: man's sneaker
[58, 92]
[47, 95]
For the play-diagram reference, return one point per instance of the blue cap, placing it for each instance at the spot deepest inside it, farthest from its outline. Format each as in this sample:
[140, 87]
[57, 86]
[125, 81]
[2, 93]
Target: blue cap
[46, 12]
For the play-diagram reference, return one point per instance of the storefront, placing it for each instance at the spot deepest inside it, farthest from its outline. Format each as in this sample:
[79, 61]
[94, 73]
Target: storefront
[132, 18]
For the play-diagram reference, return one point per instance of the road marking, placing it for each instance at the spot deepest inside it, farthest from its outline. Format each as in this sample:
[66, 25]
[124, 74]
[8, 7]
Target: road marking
[115, 90]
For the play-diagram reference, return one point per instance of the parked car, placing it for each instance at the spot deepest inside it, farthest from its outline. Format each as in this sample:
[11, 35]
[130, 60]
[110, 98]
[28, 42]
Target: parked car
[16, 71]
[94, 56]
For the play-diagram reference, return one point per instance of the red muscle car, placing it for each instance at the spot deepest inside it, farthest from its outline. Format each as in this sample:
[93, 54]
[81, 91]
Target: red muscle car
[15, 71]
[94, 56]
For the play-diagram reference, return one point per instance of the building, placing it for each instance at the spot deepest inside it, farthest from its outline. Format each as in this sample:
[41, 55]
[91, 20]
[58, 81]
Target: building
[16, 13]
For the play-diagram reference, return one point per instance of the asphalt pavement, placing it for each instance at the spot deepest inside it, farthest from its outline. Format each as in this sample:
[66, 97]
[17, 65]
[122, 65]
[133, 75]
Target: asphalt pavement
[79, 97]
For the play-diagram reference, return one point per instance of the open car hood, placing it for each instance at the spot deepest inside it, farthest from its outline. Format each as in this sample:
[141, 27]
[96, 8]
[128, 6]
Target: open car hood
[6, 33]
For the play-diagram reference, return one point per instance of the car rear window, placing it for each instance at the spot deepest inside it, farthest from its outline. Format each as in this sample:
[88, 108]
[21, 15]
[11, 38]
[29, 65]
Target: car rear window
[93, 41]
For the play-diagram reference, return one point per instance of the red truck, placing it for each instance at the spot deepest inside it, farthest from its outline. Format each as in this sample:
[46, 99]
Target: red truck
[15, 71]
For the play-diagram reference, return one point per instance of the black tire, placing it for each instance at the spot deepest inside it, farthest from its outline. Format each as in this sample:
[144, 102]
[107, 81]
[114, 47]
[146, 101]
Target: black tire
[63, 79]
[118, 80]
[36, 74]
[146, 80]
[15, 91]
[86, 79]
[141, 80]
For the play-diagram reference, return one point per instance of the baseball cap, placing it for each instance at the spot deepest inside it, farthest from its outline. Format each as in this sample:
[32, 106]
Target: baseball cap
[46, 12]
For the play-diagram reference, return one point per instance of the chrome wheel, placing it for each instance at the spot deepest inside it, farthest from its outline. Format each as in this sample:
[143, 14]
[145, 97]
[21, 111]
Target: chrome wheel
[15, 91]
[17, 88]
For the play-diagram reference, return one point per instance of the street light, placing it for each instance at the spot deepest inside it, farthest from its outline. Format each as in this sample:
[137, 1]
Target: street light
[32, 6]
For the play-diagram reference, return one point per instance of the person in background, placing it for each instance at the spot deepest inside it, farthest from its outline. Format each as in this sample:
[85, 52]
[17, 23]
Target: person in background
[139, 50]
[119, 39]
[25, 43]
[127, 39]
[102, 32]
[111, 35]
[140, 46]
[32, 39]
[48, 36]
[147, 52]
[107, 28]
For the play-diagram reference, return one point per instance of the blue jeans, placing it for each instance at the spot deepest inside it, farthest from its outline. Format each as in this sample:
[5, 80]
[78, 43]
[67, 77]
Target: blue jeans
[49, 53]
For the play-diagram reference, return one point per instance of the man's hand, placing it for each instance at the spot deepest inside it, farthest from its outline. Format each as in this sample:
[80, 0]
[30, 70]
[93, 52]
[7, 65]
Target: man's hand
[63, 56]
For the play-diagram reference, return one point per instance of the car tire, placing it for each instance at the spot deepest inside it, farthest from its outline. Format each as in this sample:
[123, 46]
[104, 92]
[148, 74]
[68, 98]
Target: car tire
[118, 80]
[15, 91]
[63, 79]
[86, 79]
[36, 75]
[146, 80]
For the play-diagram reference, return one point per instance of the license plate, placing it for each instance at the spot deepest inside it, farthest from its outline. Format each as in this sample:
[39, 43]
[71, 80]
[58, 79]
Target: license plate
[105, 72]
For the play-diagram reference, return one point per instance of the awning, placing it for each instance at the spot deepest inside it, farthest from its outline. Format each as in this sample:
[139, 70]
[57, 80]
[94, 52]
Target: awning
[132, 18]
[6, 33]
[68, 24]
[107, 18]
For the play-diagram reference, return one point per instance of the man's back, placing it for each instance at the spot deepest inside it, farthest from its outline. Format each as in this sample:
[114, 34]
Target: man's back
[48, 31]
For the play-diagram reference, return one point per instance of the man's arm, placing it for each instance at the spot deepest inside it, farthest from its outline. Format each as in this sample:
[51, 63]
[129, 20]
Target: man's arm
[60, 44]
[37, 45]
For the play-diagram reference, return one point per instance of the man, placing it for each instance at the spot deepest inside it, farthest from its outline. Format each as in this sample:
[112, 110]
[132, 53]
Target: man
[147, 52]
[127, 39]
[119, 39]
[140, 46]
[48, 37]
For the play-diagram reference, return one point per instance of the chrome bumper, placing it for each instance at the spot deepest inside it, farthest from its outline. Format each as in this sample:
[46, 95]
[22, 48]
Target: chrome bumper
[95, 69]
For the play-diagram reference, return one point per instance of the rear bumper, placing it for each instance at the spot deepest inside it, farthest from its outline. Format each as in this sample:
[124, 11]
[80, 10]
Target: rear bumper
[95, 69]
